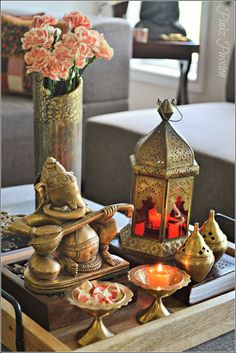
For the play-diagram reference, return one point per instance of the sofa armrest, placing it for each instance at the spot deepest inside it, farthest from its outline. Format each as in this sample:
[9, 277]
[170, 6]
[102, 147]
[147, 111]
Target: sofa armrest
[109, 80]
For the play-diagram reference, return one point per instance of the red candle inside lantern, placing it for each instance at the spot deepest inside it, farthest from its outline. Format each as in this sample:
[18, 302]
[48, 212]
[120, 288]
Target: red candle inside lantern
[173, 230]
[158, 276]
[139, 228]
[154, 218]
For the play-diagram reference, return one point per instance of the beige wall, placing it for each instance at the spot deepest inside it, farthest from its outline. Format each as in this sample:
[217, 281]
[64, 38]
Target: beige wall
[144, 94]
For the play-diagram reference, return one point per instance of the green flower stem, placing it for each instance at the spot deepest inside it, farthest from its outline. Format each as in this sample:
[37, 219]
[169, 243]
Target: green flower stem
[61, 87]
[90, 61]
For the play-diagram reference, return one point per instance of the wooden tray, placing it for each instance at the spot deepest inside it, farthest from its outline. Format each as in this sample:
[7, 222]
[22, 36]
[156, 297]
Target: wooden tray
[186, 327]
[50, 311]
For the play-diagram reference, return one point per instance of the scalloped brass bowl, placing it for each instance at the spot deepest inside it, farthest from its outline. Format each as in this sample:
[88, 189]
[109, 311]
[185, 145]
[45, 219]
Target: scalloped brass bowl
[98, 331]
[139, 276]
[126, 298]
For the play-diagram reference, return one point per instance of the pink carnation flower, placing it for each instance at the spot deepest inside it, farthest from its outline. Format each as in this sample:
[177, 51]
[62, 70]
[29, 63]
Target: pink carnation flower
[75, 19]
[64, 51]
[88, 37]
[40, 21]
[55, 70]
[85, 50]
[104, 50]
[71, 49]
[54, 55]
[37, 59]
[80, 61]
[38, 37]
[52, 69]
[70, 38]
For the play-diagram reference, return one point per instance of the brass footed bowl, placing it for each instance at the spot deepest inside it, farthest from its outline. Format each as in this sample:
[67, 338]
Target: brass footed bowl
[139, 276]
[97, 330]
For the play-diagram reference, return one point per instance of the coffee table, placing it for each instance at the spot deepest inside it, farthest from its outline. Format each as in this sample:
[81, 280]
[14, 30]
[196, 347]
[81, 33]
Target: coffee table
[38, 338]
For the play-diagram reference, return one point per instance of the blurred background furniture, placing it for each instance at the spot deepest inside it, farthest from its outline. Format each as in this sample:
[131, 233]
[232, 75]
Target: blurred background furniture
[119, 8]
[181, 51]
[104, 92]
[209, 129]
[160, 17]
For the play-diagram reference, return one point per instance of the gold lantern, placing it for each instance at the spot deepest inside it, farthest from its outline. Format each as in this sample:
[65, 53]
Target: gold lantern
[163, 175]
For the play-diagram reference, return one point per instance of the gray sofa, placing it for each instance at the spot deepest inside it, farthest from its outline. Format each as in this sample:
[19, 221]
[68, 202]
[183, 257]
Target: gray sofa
[106, 90]
[208, 127]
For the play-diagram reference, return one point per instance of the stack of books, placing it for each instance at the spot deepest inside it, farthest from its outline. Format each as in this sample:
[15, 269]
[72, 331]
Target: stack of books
[220, 279]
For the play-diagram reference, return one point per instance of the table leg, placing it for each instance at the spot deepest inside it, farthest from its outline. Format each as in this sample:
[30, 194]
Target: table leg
[182, 97]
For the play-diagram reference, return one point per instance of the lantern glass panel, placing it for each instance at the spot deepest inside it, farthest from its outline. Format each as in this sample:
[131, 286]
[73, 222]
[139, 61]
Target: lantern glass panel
[148, 217]
[178, 205]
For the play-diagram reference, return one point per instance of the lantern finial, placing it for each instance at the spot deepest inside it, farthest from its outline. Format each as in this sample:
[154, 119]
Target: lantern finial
[165, 108]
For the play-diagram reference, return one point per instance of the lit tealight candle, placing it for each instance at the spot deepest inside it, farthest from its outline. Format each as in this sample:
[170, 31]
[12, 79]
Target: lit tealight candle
[154, 218]
[158, 277]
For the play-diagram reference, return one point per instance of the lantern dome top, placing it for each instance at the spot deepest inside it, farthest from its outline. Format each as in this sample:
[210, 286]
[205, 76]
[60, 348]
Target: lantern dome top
[164, 148]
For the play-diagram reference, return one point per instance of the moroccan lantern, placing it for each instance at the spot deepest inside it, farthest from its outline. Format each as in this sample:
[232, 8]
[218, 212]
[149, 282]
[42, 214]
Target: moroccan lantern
[163, 175]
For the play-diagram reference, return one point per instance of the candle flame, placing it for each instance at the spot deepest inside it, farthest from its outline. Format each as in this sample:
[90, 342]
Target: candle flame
[159, 268]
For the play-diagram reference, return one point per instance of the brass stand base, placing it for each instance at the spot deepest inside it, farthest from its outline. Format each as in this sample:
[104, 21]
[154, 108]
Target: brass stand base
[63, 281]
[153, 312]
[96, 332]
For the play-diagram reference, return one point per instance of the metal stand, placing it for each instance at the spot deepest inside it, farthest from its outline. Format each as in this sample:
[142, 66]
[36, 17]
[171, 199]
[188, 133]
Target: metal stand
[224, 217]
[20, 346]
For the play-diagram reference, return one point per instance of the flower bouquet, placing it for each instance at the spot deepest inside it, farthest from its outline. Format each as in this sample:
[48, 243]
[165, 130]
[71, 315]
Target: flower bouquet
[57, 53]
[62, 53]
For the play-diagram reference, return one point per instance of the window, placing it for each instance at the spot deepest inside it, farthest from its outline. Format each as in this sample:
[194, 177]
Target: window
[190, 18]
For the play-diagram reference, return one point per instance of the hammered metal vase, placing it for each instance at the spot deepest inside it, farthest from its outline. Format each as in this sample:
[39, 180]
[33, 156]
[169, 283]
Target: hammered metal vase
[58, 127]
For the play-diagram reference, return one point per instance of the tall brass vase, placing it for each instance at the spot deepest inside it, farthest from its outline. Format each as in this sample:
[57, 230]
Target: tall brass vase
[58, 127]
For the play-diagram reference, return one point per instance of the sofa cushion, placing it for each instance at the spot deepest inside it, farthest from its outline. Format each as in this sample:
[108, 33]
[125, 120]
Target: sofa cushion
[17, 141]
[209, 129]
[105, 81]
[18, 135]
[214, 119]
[14, 77]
